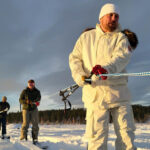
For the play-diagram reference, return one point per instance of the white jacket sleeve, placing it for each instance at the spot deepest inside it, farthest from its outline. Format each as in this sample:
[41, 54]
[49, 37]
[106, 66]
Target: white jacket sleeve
[76, 63]
[120, 57]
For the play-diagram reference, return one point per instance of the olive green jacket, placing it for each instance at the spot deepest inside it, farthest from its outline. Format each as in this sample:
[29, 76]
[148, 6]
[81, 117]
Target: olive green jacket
[32, 95]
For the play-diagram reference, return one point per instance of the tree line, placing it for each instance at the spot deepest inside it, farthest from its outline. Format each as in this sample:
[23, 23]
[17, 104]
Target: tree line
[76, 116]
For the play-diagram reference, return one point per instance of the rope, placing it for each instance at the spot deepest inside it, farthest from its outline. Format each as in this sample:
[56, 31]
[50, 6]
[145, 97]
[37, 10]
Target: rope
[140, 74]
[127, 74]
[54, 94]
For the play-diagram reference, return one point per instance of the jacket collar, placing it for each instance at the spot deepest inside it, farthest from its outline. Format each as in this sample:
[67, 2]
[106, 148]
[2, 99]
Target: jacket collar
[100, 31]
[29, 89]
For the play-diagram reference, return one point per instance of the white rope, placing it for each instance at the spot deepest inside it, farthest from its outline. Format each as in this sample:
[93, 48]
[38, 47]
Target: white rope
[127, 74]
[140, 74]
[54, 94]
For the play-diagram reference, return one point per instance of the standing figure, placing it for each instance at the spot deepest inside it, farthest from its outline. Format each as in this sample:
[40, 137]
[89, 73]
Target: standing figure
[4, 107]
[30, 99]
[105, 50]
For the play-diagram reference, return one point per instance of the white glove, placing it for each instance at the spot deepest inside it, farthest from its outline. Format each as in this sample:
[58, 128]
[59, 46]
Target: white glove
[6, 109]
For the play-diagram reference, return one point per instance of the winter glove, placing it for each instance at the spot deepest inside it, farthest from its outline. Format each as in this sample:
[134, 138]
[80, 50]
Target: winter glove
[37, 103]
[132, 38]
[98, 70]
[28, 102]
[86, 79]
[6, 109]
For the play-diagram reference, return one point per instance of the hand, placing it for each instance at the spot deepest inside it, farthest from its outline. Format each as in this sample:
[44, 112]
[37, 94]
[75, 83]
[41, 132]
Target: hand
[84, 78]
[37, 103]
[29, 102]
[98, 70]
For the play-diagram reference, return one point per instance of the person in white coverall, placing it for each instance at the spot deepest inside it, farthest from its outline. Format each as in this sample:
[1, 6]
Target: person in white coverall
[109, 49]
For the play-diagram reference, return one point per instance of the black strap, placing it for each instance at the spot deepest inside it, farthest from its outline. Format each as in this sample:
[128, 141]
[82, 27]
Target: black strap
[65, 93]
[70, 106]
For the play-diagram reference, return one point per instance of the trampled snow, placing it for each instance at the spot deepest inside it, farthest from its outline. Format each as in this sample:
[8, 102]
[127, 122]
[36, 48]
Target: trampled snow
[68, 137]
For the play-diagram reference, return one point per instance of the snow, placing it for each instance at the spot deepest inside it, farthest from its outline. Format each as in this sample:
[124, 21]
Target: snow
[68, 137]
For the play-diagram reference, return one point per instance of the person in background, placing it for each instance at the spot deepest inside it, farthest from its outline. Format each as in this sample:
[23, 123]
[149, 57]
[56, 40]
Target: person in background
[30, 100]
[4, 107]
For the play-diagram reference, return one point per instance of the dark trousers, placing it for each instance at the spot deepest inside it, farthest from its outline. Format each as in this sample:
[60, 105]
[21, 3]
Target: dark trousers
[3, 124]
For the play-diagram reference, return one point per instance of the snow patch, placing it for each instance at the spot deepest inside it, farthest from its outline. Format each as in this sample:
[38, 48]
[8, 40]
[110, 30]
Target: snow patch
[68, 137]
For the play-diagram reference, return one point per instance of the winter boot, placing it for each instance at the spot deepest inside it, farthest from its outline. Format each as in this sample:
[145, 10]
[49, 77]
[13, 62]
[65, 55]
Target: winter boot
[35, 141]
[23, 138]
[2, 136]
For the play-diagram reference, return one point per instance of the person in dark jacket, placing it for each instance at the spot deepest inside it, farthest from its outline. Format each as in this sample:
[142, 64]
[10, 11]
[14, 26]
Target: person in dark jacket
[4, 107]
[30, 99]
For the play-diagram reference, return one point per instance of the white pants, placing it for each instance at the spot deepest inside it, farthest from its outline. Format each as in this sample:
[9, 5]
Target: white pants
[98, 123]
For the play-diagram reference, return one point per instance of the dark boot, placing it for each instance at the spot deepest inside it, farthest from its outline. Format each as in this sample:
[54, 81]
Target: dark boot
[35, 138]
[35, 141]
[2, 136]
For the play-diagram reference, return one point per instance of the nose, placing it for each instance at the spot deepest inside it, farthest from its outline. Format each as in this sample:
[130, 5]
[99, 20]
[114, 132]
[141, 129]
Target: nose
[113, 18]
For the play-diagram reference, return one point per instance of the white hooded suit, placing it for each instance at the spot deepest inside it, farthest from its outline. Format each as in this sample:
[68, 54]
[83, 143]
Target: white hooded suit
[111, 51]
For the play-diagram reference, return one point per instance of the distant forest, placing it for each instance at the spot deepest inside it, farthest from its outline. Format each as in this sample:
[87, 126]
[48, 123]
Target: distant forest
[76, 116]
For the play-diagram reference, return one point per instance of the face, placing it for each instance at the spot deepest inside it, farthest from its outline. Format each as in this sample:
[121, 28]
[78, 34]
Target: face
[4, 100]
[109, 22]
[31, 85]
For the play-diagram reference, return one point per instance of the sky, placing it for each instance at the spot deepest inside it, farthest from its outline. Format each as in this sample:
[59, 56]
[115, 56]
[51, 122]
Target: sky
[37, 36]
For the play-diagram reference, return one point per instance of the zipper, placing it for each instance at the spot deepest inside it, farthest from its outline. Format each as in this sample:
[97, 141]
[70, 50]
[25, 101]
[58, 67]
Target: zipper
[97, 50]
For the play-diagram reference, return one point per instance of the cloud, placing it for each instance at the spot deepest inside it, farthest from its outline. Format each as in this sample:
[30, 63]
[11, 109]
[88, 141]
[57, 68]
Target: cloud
[37, 37]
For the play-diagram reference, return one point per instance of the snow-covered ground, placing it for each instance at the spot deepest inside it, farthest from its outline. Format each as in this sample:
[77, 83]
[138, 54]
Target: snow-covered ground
[68, 137]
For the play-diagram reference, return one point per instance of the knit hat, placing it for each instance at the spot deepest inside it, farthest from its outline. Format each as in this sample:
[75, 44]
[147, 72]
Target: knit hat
[107, 9]
[31, 81]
